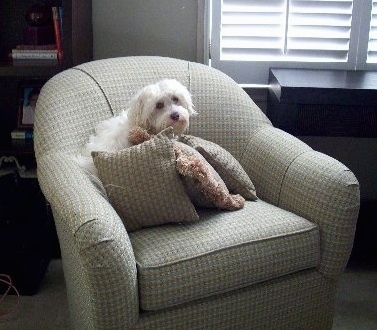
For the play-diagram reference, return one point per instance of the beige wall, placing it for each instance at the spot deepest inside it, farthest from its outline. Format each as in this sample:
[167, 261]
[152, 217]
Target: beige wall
[147, 27]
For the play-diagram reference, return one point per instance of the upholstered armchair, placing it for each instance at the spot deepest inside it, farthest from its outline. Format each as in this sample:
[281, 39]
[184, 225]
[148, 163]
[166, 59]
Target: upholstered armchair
[274, 264]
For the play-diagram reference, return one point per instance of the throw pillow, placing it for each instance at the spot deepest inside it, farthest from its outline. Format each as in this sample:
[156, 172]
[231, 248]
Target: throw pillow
[229, 169]
[203, 184]
[143, 185]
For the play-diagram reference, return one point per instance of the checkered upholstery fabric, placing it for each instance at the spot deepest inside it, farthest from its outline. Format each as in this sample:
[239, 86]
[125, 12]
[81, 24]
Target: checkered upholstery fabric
[274, 304]
[272, 265]
[237, 249]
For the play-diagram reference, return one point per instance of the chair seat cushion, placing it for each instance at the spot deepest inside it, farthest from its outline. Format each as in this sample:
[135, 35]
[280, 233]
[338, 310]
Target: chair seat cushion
[221, 252]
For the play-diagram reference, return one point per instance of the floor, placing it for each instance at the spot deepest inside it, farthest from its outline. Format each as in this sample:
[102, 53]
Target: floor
[356, 306]
[46, 310]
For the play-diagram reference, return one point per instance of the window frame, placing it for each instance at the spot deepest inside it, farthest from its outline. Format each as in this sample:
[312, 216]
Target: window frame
[256, 71]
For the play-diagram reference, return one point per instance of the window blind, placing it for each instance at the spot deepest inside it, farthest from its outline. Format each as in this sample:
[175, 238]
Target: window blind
[250, 36]
[372, 44]
[304, 30]
[319, 30]
[252, 29]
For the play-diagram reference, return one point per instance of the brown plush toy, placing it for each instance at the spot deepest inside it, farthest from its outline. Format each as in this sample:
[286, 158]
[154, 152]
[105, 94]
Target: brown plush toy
[199, 170]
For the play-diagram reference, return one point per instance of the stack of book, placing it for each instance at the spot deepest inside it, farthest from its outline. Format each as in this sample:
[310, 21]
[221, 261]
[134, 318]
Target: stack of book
[22, 138]
[43, 52]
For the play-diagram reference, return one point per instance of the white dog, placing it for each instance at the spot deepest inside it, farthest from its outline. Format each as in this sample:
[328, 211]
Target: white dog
[154, 108]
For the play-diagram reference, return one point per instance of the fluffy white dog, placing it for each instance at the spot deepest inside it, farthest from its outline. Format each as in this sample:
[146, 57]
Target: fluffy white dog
[154, 108]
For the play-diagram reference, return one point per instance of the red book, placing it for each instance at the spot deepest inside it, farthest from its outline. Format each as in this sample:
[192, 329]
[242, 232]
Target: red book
[58, 32]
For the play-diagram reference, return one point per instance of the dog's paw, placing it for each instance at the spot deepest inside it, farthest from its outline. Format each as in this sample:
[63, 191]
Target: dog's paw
[138, 135]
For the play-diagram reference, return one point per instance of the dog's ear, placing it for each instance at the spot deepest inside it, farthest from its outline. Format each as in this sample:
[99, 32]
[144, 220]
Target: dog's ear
[186, 97]
[135, 112]
[190, 107]
[188, 102]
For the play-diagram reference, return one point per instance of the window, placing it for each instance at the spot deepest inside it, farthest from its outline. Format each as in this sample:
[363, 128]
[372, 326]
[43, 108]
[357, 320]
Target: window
[250, 36]
[372, 45]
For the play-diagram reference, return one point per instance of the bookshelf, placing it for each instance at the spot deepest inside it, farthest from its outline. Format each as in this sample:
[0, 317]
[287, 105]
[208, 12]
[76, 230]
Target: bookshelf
[77, 46]
[29, 237]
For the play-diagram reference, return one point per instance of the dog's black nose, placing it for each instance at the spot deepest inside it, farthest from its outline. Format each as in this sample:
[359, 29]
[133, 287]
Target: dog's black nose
[174, 116]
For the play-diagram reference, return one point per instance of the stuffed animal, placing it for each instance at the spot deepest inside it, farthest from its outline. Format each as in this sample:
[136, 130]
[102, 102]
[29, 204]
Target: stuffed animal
[194, 167]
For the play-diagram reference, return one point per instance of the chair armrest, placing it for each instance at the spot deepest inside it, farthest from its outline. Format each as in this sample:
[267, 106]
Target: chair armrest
[289, 174]
[99, 264]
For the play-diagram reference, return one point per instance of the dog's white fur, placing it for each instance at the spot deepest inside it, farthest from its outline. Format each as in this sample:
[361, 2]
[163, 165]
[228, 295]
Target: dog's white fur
[156, 107]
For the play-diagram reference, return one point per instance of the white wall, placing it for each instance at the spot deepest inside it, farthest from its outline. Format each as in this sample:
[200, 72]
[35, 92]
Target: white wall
[147, 27]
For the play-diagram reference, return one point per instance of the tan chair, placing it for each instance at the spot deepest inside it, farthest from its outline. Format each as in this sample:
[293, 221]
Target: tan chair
[274, 264]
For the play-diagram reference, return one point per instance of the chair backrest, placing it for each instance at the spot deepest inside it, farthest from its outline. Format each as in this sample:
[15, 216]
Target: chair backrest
[74, 101]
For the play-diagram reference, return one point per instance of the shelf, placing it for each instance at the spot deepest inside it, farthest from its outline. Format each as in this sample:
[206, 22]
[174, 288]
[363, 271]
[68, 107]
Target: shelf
[18, 148]
[15, 75]
[76, 29]
[30, 68]
[19, 154]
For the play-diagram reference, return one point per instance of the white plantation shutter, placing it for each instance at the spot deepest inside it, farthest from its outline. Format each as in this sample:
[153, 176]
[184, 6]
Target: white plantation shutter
[252, 29]
[319, 30]
[372, 44]
[250, 36]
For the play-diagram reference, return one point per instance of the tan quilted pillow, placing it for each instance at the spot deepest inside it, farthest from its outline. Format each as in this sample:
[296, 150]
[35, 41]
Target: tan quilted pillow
[143, 185]
[229, 169]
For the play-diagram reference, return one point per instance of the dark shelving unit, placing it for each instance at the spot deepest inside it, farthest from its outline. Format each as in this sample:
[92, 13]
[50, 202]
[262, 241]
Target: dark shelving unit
[28, 235]
[77, 46]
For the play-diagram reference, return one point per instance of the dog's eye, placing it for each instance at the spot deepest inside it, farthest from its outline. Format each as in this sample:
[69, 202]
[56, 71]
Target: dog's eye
[175, 99]
[159, 105]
